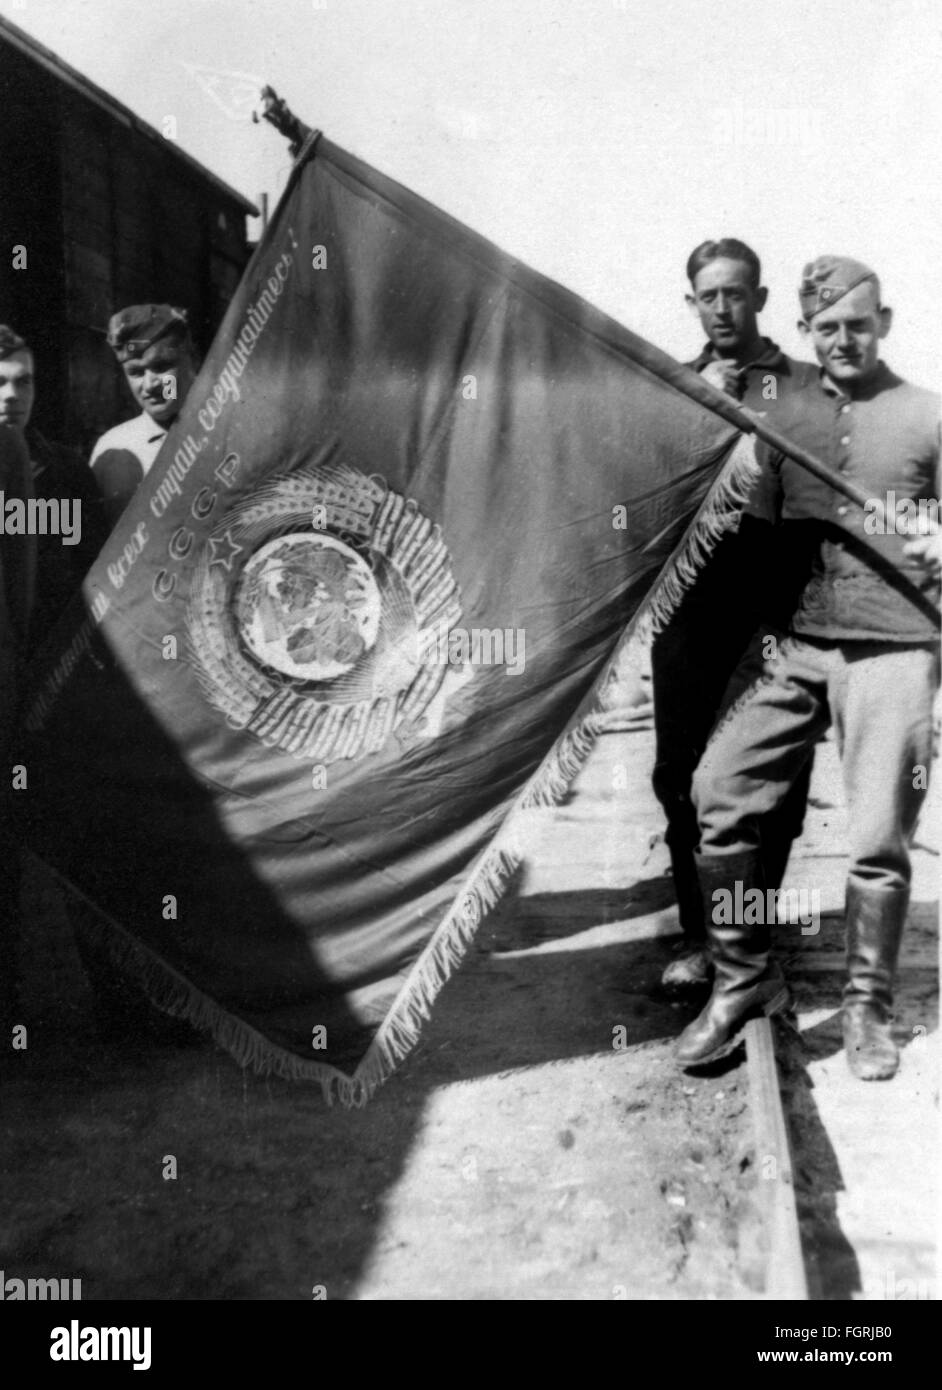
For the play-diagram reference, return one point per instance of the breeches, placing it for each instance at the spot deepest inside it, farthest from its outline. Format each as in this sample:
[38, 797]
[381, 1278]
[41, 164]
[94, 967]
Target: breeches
[878, 696]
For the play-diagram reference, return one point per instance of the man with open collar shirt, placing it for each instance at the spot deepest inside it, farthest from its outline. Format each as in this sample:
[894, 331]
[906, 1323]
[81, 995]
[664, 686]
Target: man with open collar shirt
[713, 634]
[153, 345]
[861, 654]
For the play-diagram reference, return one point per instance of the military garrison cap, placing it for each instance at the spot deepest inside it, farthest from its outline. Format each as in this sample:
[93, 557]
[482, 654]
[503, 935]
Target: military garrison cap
[133, 330]
[826, 280]
[11, 342]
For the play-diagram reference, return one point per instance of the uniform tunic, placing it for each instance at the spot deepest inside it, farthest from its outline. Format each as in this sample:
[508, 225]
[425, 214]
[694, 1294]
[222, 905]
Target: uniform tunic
[862, 649]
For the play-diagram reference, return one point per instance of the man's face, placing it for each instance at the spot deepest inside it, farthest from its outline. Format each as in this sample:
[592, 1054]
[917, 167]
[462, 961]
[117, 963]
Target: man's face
[17, 389]
[160, 379]
[728, 304]
[846, 336]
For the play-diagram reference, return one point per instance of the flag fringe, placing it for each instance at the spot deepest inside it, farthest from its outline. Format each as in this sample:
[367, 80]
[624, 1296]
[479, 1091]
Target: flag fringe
[172, 994]
[719, 513]
[399, 1032]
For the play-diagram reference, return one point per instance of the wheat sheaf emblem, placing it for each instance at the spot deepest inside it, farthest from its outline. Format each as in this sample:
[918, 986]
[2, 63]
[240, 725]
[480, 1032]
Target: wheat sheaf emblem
[314, 611]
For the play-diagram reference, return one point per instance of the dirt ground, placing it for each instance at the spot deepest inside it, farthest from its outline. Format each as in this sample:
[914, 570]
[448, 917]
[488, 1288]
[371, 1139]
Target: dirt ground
[539, 1143]
[868, 1154]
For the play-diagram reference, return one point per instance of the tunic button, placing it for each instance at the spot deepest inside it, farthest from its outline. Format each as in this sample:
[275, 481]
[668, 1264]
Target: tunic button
[842, 511]
[846, 440]
[845, 409]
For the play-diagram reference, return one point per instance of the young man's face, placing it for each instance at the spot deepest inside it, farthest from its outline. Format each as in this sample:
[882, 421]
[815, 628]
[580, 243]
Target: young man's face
[728, 304]
[160, 379]
[17, 389]
[846, 336]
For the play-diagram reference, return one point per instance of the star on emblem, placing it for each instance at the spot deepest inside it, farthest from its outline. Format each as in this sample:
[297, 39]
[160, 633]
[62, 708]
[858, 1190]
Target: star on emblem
[224, 550]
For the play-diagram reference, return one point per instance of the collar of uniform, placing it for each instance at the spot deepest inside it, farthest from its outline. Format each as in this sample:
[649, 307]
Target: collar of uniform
[881, 379]
[770, 356]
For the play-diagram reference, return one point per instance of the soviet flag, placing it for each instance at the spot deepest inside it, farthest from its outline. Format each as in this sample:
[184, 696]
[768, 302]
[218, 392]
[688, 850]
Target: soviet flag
[355, 614]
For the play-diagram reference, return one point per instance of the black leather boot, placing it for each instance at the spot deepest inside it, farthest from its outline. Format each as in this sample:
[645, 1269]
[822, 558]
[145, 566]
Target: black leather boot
[690, 972]
[747, 984]
[874, 919]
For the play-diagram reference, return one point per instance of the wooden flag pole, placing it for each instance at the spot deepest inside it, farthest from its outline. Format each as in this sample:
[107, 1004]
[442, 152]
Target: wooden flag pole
[693, 385]
[276, 110]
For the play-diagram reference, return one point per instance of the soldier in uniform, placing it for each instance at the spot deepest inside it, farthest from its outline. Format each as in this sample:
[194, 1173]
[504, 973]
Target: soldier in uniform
[694, 659]
[861, 654]
[153, 344]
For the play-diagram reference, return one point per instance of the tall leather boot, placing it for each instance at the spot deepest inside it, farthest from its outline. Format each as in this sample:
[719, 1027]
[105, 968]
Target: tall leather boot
[690, 972]
[747, 983]
[874, 920]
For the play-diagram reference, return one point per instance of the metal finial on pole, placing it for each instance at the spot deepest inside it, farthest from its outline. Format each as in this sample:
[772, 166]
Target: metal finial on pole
[277, 111]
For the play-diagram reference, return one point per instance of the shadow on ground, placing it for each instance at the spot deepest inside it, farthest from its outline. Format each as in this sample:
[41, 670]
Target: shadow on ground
[275, 1195]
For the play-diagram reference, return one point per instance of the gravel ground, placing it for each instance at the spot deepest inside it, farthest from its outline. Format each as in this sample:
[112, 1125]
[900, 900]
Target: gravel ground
[529, 1149]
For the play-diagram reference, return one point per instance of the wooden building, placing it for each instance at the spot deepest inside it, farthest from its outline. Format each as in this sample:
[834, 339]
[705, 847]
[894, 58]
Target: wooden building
[110, 213]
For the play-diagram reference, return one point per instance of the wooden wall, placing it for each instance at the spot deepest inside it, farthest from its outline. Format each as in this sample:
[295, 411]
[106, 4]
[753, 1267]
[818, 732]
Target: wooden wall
[110, 216]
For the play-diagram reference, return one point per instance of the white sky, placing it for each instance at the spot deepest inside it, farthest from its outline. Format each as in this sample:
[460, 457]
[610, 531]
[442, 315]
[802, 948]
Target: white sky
[599, 140]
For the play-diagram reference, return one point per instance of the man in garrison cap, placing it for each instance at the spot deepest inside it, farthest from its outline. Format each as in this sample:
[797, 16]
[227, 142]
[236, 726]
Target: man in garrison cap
[153, 345]
[861, 654]
[711, 648]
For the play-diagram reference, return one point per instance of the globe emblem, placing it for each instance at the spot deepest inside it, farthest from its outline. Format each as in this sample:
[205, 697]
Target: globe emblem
[308, 606]
[323, 642]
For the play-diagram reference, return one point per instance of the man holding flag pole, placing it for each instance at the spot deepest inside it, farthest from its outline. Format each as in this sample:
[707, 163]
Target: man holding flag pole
[861, 653]
[304, 834]
[698, 661]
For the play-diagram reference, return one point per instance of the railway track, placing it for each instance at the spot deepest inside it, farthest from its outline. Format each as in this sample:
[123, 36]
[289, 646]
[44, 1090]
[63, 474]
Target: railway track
[542, 1128]
[785, 1275]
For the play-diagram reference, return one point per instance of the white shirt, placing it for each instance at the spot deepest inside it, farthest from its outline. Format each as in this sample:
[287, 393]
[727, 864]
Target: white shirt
[121, 460]
[141, 437]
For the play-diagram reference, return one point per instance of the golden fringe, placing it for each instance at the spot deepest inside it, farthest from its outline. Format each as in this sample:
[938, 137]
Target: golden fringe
[400, 1030]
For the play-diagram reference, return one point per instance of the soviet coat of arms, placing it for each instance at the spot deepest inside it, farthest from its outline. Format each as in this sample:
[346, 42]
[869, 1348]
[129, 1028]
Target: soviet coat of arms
[317, 610]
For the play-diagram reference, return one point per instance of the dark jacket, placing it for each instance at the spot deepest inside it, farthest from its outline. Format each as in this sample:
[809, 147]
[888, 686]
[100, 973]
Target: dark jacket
[844, 583]
[59, 472]
[739, 584]
[765, 386]
[17, 580]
